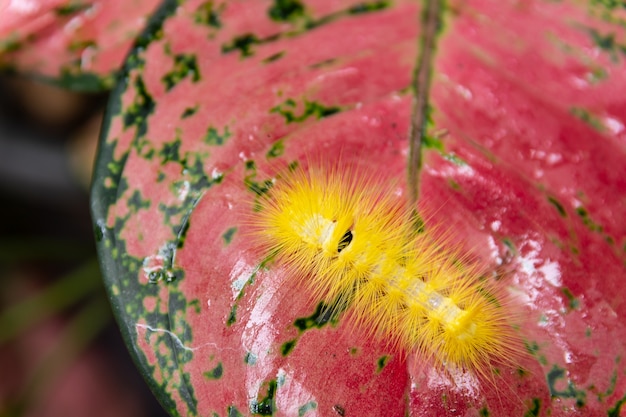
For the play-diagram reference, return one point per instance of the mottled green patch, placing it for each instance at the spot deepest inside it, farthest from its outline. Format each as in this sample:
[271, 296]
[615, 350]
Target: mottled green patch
[533, 348]
[274, 57]
[10, 44]
[142, 106]
[322, 316]
[510, 246]
[587, 221]
[289, 107]
[71, 8]
[215, 373]
[310, 406]
[368, 7]
[169, 337]
[534, 408]
[588, 118]
[286, 10]
[489, 296]
[154, 29]
[324, 63]
[381, 363]
[135, 202]
[188, 189]
[243, 44]
[241, 285]
[180, 230]
[354, 351]
[610, 4]
[189, 111]
[73, 77]
[110, 183]
[115, 290]
[453, 184]
[432, 142]
[228, 235]
[199, 180]
[215, 138]
[250, 358]
[277, 149]
[259, 188]
[615, 411]
[144, 148]
[483, 412]
[232, 316]
[355, 10]
[294, 11]
[206, 14]
[78, 45]
[558, 376]
[287, 347]
[559, 207]
[170, 152]
[166, 330]
[233, 412]
[574, 303]
[185, 65]
[597, 74]
[611, 389]
[607, 42]
[417, 222]
[267, 405]
[195, 304]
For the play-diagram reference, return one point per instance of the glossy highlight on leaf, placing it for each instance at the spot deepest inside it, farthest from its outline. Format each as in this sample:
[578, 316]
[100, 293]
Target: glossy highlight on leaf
[528, 187]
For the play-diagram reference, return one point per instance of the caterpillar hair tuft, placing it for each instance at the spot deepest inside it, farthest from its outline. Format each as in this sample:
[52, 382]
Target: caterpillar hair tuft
[350, 240]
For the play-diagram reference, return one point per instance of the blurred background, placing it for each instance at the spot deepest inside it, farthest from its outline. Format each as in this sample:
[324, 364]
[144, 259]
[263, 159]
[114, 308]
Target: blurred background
[60, 351]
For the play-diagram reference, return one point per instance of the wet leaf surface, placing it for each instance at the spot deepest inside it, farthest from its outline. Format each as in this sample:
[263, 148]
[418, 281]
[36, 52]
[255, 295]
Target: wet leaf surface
[78, 44]
[523, 161]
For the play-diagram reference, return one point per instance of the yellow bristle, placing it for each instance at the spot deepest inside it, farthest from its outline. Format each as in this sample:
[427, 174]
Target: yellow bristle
[351, 242]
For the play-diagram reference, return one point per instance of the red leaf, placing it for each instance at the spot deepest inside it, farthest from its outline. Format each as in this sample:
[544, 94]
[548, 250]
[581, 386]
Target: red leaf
[81, 44]
[523, 161]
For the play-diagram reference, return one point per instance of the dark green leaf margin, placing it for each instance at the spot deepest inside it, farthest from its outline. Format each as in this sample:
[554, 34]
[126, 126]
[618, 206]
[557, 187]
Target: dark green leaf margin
[119, 269]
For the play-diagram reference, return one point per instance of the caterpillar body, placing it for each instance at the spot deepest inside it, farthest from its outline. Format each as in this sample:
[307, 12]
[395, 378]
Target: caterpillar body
[350, 241]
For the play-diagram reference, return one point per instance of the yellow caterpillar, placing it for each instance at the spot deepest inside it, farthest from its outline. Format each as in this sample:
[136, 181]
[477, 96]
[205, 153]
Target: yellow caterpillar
[350, 241]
